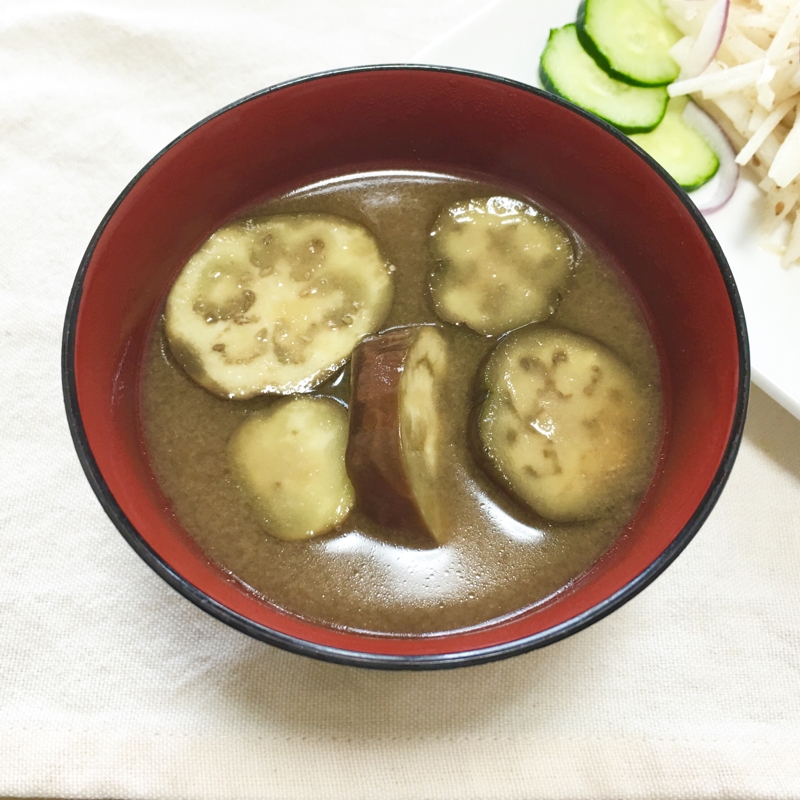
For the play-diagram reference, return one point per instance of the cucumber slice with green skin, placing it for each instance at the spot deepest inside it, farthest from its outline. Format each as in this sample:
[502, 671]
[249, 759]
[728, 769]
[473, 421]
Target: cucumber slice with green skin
[629, 39]
[566, 69]
[680, 149]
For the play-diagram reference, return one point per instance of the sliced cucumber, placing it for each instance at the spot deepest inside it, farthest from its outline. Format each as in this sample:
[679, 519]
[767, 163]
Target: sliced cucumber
[629, 39]
[568, 70]
[680, 149]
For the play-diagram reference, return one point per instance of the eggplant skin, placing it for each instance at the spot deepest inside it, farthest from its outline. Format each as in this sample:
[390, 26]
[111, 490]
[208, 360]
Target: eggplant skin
[374, 455]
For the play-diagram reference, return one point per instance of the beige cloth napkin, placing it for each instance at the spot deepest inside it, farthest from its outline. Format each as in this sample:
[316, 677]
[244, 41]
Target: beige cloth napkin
[112, 685]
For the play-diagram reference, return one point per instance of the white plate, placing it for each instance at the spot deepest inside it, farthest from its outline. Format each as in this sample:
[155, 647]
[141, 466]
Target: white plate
[506, 39]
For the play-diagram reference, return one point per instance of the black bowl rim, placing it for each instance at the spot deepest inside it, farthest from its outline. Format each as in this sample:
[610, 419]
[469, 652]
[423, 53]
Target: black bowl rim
[389, 661]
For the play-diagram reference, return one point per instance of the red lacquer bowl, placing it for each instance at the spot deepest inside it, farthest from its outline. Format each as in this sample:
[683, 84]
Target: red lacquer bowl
[443, 121]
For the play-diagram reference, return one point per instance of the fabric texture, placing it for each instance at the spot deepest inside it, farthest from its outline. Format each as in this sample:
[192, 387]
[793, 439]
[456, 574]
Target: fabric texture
[112, 685]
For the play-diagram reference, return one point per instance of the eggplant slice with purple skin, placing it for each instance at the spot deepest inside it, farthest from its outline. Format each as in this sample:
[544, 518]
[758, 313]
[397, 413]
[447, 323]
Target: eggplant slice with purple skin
[394, 448]
[565, 426]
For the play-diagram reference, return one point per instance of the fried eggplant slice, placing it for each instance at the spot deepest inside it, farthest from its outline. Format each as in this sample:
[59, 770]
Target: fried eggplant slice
[289, 461]
[565, 426]
[396, 432]
[275, 305]
[501, 264]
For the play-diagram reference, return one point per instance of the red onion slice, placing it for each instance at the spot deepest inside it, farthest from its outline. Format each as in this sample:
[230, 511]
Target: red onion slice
[721, 187]
[708, 40]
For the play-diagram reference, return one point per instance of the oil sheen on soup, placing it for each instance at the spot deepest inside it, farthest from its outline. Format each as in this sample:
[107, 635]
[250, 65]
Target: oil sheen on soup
[496, 554]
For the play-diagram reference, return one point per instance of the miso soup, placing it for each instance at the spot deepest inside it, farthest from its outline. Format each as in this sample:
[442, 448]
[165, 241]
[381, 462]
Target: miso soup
[502, 557]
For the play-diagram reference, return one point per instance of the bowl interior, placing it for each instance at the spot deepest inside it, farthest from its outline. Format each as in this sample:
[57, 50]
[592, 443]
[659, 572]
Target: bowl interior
[443, 121]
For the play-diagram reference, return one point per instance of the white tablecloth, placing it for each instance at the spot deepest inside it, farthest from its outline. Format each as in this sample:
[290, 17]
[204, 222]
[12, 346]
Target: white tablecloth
[112, 685]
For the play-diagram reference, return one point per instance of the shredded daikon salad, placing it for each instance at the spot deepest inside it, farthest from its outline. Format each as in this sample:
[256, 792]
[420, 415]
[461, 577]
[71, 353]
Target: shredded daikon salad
[751, 87]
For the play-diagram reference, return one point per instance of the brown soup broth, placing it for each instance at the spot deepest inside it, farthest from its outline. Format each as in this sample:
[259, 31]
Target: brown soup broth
[504, 558]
